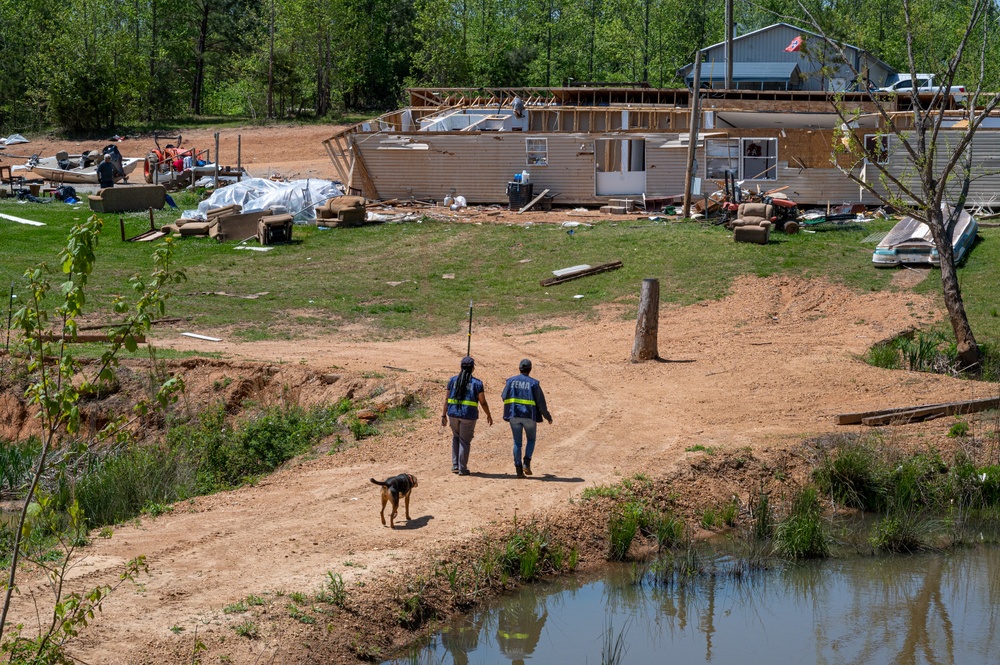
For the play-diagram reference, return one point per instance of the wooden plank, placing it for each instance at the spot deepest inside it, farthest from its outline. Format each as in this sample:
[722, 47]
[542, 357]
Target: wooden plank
[89, 338]
[909, 414]
[604, 267]
[533, 201]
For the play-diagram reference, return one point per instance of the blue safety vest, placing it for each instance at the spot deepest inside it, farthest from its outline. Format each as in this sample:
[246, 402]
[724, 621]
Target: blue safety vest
[467, 405]
[522, 398]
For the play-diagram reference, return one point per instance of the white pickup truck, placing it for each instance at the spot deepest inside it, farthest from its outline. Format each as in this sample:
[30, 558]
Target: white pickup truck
[922, 83]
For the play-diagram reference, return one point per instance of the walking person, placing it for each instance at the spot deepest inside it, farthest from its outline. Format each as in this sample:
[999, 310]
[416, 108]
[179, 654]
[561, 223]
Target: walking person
[524, 407]
[466, 394]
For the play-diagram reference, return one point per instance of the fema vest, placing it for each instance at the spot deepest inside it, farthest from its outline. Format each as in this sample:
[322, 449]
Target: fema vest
[464, 406]
[519, 398]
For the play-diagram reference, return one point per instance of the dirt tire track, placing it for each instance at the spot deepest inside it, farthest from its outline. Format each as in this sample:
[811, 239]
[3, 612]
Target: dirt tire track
[613, 419]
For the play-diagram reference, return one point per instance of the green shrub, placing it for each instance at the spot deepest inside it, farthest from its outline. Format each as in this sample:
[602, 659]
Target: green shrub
[118, 486]
[885, 355]
[622, 528]
[899, 532]
[855, 476]
[917, 481]
[763, 525]
[525, 554]
[801, 534]
[959, 429]
[17, 460]
[227, 456]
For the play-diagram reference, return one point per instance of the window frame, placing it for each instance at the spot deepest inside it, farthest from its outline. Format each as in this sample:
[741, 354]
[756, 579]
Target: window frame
[536, 152]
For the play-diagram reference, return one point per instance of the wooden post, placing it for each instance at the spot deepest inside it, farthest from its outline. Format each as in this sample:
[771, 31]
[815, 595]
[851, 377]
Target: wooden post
[216, 186]
[239, 158]
[647, 323]
[692, 136]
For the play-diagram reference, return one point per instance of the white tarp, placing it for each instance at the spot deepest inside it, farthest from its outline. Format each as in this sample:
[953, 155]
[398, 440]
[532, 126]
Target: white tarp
[13, 139]
[298, 197]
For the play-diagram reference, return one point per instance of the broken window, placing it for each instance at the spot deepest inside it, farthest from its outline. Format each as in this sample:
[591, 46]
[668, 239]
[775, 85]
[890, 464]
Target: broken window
[722, 156]
[759, 159]
[877, 145]
[537, 152]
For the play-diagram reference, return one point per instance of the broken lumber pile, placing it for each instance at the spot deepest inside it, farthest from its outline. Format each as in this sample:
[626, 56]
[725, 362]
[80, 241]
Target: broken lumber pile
[583, 272]
[914, 414]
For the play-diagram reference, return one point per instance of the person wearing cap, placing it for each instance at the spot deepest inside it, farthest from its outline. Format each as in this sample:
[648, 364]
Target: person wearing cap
[524, 407]
[106, 173]
[466, 394]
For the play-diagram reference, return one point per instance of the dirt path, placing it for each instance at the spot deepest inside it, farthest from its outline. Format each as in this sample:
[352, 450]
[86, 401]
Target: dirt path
[761, 368]
[293, 151]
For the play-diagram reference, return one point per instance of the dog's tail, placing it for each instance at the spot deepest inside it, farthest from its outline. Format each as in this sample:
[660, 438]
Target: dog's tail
[377, 482]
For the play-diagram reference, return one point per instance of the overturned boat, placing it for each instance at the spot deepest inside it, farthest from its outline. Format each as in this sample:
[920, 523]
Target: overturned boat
[911, 242]
[76, 169]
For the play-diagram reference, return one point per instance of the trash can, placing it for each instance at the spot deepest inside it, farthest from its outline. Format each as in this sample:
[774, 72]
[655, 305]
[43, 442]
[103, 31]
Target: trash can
[519, 194]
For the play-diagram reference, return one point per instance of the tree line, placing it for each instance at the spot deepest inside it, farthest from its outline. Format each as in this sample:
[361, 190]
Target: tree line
[84, 65]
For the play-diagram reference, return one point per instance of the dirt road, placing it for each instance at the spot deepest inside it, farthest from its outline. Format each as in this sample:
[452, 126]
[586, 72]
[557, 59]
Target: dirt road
[767, 365]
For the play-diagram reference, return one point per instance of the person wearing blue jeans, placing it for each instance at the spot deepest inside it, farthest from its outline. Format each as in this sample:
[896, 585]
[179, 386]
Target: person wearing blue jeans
[524, 407]
[466, 394]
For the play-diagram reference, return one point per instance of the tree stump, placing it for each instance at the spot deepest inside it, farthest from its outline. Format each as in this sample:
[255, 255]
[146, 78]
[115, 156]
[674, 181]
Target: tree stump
[647, 323]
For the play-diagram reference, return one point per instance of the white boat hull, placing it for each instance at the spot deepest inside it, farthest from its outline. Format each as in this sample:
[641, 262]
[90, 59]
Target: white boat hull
[85, 176]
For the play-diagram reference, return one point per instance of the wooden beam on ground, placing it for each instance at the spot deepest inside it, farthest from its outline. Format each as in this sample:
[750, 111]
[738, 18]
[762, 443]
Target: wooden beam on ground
[604, 267]
[533, 201]
[912, 414]
[95, 337]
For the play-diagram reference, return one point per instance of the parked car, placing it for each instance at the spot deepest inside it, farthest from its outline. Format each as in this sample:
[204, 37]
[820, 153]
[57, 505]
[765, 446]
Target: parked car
[922, 83]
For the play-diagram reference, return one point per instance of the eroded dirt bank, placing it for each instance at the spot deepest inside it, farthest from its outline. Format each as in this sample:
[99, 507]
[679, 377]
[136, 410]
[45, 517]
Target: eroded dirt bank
[758, 371]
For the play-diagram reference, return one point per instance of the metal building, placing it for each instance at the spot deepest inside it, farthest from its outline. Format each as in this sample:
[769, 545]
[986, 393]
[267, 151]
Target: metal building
[762, 61]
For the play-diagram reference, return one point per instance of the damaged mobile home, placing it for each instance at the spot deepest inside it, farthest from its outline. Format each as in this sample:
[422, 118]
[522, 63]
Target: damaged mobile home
[589, 145]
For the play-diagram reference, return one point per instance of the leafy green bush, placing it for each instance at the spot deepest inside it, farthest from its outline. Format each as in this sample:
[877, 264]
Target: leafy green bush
[801, 534]
[227, 456]
[525, 553]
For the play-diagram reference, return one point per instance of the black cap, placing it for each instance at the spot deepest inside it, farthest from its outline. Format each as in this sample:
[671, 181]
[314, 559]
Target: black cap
[468, 362]
[525, 365]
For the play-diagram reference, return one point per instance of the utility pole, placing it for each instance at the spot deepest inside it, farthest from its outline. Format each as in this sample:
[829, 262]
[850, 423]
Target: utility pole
[729, 44]
[692, 135]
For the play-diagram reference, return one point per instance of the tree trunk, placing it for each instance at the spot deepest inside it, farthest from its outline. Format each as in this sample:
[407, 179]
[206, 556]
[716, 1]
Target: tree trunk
[199, 63]
[968, 350]
[648, 322]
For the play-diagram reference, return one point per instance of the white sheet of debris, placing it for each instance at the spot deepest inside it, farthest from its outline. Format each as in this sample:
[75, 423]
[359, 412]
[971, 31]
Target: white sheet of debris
[298, 197]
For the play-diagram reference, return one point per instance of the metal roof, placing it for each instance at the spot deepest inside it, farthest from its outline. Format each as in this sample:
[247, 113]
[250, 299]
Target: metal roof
[764, 72]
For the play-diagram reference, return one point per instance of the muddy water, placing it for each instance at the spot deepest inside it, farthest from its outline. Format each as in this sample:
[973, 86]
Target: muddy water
[936, 608]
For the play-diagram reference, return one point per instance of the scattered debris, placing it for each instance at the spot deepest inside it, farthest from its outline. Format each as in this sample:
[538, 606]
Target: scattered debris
[449, 275]
[574, 224]
[203, 337]
[252, 296]
[20, 220]
[255, 249]
[577, 297]
[533, 201]
[584, 272]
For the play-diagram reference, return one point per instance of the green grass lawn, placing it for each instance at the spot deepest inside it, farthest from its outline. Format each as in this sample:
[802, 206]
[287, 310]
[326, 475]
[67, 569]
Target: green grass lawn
[330, 278]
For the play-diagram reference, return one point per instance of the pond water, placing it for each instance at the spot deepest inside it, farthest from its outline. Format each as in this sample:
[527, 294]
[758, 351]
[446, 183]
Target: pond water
[904, 610]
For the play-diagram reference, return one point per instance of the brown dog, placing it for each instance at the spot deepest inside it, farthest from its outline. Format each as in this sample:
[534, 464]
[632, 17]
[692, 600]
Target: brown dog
[392, 489]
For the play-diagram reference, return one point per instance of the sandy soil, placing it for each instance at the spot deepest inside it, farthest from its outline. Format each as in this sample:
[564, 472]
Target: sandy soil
[767, 365]
[292, 151]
